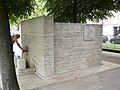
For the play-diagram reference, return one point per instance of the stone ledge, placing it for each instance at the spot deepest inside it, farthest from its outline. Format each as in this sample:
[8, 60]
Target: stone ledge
[25, 71]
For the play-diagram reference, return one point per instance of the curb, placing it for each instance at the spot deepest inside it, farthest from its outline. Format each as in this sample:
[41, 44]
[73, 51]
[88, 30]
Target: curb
[111, 50]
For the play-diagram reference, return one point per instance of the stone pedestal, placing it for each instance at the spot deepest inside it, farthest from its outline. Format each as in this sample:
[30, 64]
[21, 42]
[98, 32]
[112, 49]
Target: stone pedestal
[21, 64]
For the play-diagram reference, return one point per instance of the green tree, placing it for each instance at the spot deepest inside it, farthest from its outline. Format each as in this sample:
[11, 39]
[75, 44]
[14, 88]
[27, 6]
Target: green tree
[39, 9]
[81, 10]
[10, 10]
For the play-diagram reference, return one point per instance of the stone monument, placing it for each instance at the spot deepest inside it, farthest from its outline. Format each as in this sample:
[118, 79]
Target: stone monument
[56, 48]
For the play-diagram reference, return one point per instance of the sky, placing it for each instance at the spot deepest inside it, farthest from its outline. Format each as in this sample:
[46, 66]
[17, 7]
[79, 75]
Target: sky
[108, 24]
[112, 20]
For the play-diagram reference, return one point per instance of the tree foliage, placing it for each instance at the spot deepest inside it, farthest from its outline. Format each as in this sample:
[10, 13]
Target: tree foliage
[39, 9]
[19, 9]
[81, 10]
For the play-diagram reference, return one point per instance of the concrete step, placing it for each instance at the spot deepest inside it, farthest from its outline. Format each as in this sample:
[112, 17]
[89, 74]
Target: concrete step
[25, 71]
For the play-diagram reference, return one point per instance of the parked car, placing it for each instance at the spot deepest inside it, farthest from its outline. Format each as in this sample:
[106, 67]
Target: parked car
[105, 38]
[115, 40]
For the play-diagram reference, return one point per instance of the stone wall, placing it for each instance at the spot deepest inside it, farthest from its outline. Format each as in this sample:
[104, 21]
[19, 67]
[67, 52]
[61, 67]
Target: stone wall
[37, 34]
[56, 48]
[72, 51]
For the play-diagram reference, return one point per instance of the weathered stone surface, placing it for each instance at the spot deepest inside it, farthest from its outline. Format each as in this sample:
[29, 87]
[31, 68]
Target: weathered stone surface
[56, 48]
[74, 49]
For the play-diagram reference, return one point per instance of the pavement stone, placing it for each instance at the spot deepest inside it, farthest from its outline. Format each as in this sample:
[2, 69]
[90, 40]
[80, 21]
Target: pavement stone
[32, 81]
[107, 80]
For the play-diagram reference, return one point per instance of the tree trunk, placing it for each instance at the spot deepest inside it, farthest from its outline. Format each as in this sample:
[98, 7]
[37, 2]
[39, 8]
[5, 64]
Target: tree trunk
[8, 75]
[75, 11]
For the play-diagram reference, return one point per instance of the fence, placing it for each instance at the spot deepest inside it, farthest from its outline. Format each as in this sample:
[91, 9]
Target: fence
[111, 46]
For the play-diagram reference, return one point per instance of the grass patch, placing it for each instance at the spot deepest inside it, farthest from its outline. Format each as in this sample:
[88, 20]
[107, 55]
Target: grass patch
[111, 46]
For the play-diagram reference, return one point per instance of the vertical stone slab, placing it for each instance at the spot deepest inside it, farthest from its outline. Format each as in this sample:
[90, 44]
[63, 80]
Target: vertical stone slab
[92, 44]
[37, 34]
[48, 47]
[38, 45]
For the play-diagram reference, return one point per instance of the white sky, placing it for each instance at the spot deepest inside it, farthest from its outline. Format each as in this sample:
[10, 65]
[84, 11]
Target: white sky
[112, 20]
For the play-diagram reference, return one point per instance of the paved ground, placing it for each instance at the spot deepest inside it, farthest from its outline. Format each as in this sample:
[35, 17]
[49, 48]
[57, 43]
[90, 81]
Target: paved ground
[111, 57]
[32, 81]
[106, 80]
